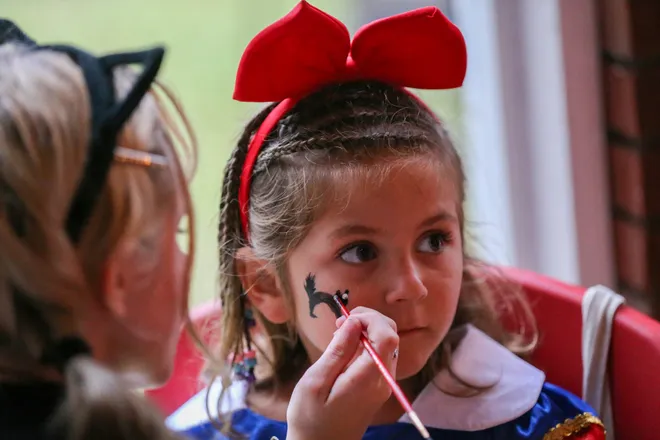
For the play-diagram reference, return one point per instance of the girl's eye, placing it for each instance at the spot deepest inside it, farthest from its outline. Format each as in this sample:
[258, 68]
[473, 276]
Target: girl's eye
[358, 253]
[433, 243]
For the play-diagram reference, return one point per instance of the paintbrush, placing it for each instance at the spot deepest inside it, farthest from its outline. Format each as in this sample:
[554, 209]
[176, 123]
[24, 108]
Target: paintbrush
[398, 393]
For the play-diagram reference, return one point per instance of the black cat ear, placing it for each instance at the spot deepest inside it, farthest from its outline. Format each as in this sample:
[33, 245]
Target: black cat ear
[108, 117]
[10, 33]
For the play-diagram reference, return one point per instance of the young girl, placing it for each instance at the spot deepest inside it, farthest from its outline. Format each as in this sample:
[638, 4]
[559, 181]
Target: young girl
[93, 285]
[353, 180]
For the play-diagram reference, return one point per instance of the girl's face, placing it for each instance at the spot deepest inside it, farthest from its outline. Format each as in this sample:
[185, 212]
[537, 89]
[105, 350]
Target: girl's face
[396, 245]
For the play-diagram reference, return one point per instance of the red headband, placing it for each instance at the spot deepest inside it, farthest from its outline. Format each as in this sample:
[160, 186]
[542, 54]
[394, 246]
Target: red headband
[308, 49]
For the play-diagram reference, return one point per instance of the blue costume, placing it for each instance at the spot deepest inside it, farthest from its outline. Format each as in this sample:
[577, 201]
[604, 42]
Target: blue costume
[508, 399]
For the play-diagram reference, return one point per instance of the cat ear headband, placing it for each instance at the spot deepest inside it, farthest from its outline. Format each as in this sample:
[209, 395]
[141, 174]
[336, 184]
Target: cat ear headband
[9, 32]
[108, 116]
[308, 49]
[107, 113]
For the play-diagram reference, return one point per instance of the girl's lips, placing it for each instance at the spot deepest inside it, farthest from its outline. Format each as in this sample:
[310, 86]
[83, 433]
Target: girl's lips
[410, 331]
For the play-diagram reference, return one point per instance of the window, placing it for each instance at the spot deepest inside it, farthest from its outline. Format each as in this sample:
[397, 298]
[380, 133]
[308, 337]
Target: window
[535, 145]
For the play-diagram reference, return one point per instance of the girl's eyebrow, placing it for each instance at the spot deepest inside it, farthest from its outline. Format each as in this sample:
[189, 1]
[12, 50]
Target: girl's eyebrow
[360, 229]
[442, 216]
[353, 229]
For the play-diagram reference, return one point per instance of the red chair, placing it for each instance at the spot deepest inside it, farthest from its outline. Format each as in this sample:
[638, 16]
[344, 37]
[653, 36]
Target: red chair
[634, 355]
[185, 381]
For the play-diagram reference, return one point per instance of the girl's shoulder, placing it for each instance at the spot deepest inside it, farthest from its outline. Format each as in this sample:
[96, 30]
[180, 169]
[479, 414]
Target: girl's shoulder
[487, 389]
[557, 415]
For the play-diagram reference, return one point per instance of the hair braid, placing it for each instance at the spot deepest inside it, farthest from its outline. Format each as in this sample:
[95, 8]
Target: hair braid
[229, 226]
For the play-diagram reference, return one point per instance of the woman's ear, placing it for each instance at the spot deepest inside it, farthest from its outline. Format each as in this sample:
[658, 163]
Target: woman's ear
[114, 289]
[124, 287]
[262, 286]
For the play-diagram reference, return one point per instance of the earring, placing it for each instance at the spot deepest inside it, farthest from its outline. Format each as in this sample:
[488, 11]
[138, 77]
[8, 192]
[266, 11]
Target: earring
[243, 365]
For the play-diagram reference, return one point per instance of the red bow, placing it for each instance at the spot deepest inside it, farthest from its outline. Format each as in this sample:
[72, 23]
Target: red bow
[308, 49]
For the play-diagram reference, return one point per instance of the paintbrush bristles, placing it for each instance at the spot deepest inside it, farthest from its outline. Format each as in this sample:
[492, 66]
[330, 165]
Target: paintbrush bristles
[414, 418]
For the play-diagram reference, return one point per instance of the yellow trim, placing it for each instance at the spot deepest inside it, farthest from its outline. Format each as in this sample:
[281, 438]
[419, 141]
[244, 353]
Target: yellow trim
[574, 426]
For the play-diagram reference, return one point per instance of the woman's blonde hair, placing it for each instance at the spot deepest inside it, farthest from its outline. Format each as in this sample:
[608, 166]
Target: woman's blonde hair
[362, 128]
[46, 279]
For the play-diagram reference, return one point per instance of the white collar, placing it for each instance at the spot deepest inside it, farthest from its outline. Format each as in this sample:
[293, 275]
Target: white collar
[512, 387]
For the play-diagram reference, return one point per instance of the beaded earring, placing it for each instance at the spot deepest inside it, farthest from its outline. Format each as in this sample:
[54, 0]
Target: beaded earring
[243, 364]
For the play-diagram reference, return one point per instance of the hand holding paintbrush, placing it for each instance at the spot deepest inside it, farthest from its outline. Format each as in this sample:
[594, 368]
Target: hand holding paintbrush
[339, 395]
[339, 391]
[389, 378]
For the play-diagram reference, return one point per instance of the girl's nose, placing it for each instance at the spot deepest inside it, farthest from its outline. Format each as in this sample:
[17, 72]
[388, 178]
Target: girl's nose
[405, 283]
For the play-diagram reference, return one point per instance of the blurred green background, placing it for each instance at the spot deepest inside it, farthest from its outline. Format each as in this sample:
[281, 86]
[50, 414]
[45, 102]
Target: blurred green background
[205, 40]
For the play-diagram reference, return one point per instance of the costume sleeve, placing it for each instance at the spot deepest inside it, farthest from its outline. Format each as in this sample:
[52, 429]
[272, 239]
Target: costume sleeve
[583, 427]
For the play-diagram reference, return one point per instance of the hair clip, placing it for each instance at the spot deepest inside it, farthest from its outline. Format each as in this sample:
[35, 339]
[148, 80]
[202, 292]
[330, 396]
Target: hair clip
[140, 158]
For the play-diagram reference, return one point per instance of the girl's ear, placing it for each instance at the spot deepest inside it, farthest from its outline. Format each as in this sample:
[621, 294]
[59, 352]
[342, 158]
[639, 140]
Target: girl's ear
[261, 284]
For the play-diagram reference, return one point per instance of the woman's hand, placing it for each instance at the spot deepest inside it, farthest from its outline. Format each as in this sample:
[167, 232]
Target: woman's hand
[339, 394]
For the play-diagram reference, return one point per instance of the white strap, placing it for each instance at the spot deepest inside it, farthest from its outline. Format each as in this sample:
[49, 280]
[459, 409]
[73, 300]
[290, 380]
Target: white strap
[599, 306]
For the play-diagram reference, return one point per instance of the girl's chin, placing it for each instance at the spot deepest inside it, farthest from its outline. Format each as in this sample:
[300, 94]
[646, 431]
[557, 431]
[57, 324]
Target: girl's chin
[407, 369]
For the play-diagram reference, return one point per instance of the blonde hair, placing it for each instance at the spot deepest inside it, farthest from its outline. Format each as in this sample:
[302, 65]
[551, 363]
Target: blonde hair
[44, 136]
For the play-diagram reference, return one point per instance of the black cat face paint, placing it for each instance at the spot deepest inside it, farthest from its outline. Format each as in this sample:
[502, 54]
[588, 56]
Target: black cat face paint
[317, 297]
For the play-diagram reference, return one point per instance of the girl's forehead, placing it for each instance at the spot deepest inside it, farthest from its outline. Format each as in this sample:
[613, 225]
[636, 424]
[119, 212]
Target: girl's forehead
[413, 188]
[391, 179]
